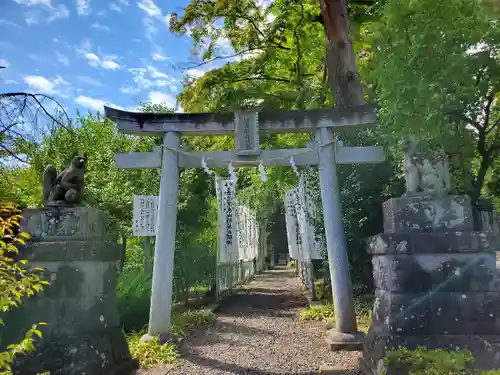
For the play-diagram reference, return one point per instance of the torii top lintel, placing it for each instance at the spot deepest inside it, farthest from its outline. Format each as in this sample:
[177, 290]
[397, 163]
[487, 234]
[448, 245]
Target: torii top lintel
[276, 121]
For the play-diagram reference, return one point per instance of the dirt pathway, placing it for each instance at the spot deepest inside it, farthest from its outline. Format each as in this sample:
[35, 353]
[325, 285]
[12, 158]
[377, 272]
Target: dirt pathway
[258, 332]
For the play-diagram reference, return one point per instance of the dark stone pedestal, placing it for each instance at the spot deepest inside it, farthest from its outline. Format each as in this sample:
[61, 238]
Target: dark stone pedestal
[83, 333]
[436, 282]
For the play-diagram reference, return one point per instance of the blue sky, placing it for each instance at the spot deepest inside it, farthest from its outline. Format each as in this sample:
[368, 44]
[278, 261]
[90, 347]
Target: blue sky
[86, 53]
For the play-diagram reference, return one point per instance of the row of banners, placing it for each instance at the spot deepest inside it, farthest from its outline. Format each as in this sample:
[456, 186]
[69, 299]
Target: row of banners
[238, 225]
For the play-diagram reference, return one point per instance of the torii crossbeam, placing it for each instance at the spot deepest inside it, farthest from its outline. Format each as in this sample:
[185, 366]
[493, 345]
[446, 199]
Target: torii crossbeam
[247, 126]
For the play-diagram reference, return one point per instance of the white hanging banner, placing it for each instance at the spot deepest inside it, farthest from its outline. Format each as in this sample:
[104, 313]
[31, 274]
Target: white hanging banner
[248, 235]
[303, 242]
[312, 244]
[227, 221]
[292, 229]
[145, 215]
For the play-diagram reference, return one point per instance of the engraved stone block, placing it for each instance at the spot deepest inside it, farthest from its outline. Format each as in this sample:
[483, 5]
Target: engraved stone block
[64, 223]
[428, 214]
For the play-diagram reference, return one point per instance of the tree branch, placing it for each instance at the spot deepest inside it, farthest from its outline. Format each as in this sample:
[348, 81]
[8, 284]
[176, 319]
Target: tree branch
[466, 119]
[223, 58]
[262, 77]
[44, 110]
[276, 44]
[487, 109]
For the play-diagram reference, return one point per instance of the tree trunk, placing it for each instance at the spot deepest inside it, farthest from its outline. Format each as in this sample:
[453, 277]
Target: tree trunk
[343, 76]
[479, 181]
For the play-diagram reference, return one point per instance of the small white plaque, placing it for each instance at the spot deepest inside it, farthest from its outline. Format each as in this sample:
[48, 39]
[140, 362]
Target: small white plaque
[145, 218]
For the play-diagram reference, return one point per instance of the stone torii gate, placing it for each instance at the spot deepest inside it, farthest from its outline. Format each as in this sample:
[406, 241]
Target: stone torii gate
[247, 125]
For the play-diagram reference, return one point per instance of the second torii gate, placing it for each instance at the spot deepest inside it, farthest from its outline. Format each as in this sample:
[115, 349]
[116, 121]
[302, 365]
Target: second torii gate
[246, 126]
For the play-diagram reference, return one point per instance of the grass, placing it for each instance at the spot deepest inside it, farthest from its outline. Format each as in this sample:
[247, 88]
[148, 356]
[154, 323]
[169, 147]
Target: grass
[133, 292]
[326, 313]
[151, 353]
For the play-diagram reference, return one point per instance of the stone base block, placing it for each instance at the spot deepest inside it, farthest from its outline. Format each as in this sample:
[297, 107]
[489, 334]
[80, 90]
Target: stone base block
[473, 313]
[425, 213]
[345, 341]
[484, 348]
[105, 353]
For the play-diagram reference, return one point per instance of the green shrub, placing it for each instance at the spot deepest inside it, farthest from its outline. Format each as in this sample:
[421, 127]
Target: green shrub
[423, 361]
[326, 312]
[151, 353]
[318, 312]
[17, 282]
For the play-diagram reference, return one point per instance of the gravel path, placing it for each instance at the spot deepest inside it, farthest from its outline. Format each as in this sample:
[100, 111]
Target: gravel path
[258, 332]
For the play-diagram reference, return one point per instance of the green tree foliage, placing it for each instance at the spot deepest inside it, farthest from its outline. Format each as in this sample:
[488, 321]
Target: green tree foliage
[17, 282]
[279, 54]
[437, 75]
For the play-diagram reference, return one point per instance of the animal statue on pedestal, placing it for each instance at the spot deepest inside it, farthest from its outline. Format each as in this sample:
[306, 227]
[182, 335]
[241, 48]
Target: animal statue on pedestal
[425, 173]
[65, 188]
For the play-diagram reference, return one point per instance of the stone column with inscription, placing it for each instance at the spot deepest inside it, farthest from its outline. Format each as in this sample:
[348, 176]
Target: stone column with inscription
[436, 282]
[83, 333]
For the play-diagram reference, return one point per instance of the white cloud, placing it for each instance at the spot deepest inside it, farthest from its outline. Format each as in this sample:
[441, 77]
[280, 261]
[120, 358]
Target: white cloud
[90, 103]
[148, 78]
[123, 2]
[5, 22]
[150, 8]
[106, 62]
[46, 86]
[89, 81]
[10, 82]
[83, 7]
[93, 59]
[97, 25]
[153, 16]
[157, 97]
[62, 58]
[101, 13]
[94, 103]
[32, 18]
[109, 64]
[59, 13]
[129, 90]
[60, 81]
[39, 83]
[47, 3]
[155, 73]
[157, 56]
[4, 63]
[115, 7]
[149, 27]
[48, 15]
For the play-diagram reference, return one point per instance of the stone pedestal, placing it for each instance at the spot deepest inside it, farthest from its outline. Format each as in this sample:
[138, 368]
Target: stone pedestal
[83, 333]
[436, 282]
